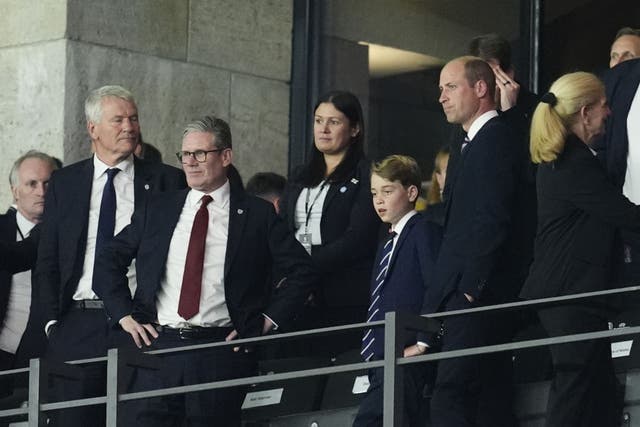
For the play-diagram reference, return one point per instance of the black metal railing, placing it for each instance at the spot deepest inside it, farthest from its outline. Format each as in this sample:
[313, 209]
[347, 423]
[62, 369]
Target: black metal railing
[395, 324]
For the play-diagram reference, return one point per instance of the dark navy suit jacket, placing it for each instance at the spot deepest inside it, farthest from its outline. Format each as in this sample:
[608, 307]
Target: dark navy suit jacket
[410, 274]
[621, 83]
[480, 253]
[63, 238]
[257, 241]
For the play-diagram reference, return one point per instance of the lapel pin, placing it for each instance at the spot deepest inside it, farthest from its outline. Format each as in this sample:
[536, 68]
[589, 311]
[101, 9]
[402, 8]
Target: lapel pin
[240, 211]
[343, 189]
[146, 186]
[354, 180]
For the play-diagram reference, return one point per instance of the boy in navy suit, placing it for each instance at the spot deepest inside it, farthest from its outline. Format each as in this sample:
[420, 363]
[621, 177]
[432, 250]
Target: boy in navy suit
[401, 276]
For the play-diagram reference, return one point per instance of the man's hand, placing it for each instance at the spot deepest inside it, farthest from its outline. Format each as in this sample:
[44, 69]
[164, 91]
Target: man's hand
[415, 350]
[507, 87]
[267, 325]
[232, 336]
[138, 332]
[469, 298]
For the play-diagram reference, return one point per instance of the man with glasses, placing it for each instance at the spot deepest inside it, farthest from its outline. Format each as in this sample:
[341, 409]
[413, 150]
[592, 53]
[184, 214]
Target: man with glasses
[85, 205]
[204, 257]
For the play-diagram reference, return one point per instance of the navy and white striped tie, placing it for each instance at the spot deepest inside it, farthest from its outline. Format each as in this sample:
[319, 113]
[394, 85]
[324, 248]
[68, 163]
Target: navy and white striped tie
[373, 313]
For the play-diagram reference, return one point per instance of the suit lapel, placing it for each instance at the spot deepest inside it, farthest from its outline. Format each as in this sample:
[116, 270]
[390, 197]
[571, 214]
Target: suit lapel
[237, 221]
[81, 199]
[142, 182]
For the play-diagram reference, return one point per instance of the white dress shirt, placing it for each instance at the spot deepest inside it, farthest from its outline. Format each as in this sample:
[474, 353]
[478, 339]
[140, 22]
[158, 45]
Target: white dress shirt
[631, 187]
[19, 303]
[123, 184]
[213, 306]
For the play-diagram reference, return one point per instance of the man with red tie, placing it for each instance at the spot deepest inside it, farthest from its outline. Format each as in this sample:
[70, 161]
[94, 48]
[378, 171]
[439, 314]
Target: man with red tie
[203, 258]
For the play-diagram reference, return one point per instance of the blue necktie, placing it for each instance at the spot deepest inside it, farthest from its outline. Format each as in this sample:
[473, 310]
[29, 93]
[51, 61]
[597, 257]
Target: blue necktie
[107, 220]
[373, 313]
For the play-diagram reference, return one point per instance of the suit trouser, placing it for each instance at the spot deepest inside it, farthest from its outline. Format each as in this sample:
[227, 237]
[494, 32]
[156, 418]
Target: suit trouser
[474, 390]
[211, 408]
[584, 391]
[79, 334]
[415, 378]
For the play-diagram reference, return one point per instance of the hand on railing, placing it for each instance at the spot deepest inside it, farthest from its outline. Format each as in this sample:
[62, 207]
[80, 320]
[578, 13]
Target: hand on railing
[138, 331]
[415, 350]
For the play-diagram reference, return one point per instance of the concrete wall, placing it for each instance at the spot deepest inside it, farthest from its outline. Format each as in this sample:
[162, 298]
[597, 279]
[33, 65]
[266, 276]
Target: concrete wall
[181, 59]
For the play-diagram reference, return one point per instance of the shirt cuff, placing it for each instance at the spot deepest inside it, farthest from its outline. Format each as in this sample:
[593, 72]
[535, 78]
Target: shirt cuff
[422, 344]
[47, 327]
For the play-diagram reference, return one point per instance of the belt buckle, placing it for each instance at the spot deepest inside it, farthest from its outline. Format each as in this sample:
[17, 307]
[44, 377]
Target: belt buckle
[186, 333]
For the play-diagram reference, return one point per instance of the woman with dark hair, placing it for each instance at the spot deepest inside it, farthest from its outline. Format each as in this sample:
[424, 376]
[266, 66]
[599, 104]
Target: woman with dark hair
[578, 212]
[328, 205]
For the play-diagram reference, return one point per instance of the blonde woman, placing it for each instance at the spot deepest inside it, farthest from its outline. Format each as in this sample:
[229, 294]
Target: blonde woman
[578, 211]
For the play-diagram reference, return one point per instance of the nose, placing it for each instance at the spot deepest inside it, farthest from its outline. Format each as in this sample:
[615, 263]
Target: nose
[41, 188]
[442, 98]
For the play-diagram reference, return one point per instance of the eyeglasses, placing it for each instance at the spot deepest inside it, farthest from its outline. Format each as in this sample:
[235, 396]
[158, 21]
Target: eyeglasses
[199, 155]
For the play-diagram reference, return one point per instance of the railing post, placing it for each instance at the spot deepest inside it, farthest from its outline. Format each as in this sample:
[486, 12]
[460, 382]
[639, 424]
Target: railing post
[37, 392]
[113, 369]
[393, 391]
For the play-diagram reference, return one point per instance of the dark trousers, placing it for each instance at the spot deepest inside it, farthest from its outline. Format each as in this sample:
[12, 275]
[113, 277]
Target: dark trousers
[415, 378]
[474, 390]
[584, 390]
[79, 334]
[207, 408]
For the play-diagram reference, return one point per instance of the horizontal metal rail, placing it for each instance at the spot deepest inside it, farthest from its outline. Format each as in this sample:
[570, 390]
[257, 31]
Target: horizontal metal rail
[391, 323]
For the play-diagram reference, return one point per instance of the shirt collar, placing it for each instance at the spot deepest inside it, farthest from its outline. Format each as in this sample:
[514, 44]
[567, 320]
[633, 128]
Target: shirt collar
[125, 166]
[24, 224]
[403, 221]
[480, 121]
[220, 195]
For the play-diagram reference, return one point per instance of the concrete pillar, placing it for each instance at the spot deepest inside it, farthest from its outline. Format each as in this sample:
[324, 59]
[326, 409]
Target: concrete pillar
[181, 59]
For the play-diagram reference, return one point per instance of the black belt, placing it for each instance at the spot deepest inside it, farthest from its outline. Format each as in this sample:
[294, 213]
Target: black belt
[197, 332]
[88, 304]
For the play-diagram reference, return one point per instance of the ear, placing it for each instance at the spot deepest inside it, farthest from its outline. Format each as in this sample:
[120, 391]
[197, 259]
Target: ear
[14, 192]
[91, 128]
[412, 192]
[584, 114]
[227, 157]
[481, 88]
[355, 130]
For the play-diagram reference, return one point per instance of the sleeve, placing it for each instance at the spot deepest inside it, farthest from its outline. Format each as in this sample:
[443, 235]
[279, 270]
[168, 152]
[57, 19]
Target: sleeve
[288, 256]
[47, 274]
[428, 256]
[110, 280]
[592, 192]
[19, 256]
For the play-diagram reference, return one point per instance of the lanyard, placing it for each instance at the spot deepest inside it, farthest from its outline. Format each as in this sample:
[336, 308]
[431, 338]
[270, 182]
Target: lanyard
[308, 208]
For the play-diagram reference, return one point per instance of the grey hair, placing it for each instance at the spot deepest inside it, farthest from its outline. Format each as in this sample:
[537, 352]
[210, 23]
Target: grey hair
[213, 125]
[31, 154]
[93, 103]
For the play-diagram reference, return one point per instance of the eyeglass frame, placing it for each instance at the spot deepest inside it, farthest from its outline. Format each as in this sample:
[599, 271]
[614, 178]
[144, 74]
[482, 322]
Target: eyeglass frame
[193, 154]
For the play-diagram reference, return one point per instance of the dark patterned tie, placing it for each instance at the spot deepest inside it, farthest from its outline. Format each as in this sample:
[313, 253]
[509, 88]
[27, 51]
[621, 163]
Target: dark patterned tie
[373, 313]
[465, 143]
[107, 219]
[189, 304]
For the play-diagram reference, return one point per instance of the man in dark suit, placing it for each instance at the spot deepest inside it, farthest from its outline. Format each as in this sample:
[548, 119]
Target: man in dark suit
[20, 338]
[85, 204]
[475, 266]
[203, 260]
[618, 151]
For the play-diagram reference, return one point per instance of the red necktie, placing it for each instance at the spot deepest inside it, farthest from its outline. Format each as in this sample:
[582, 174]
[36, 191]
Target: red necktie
[189, 304]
